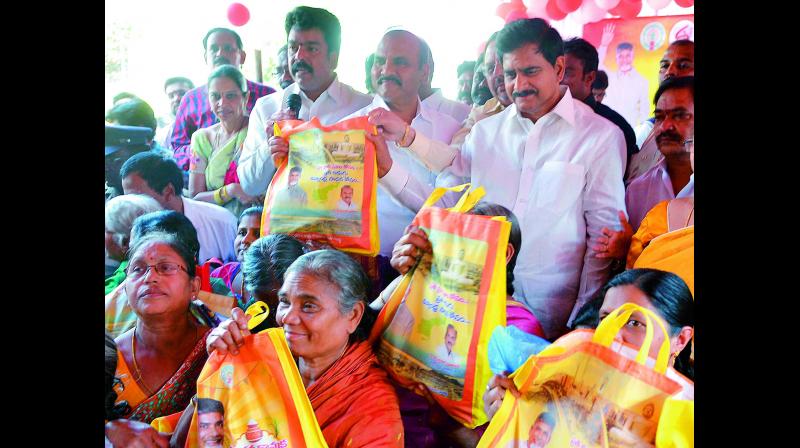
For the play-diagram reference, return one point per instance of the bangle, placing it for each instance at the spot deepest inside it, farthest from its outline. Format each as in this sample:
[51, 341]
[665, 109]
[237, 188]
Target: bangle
[218, 197]
[401, 143]
[224, 194]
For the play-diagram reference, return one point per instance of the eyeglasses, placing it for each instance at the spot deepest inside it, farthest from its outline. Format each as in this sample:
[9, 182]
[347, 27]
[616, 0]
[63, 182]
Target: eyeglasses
[674, 115]
[135, 271]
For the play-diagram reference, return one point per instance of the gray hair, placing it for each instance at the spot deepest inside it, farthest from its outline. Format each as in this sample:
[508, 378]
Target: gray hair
[122, 210]
[339, 269]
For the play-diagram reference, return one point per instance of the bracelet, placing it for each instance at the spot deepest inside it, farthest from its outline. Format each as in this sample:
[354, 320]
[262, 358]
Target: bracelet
[224, 194]
[401, 142]
[218, 196]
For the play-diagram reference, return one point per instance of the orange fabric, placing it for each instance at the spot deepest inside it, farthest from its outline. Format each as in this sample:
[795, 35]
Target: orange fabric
[129, 390]
[355, 404]
[653, 225]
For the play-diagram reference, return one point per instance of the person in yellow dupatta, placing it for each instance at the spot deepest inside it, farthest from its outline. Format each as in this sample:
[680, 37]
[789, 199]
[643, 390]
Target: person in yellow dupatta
[216, 149]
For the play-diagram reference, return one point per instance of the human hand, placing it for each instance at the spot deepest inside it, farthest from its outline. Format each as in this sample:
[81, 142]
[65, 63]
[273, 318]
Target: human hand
[134, 434]
[608, 35]
[384, 159]
[389, 124]
[278, 150]
[229, 335]
[409, 249]
[285, 114]
[614, 244]
[495, 391]
[235, 190]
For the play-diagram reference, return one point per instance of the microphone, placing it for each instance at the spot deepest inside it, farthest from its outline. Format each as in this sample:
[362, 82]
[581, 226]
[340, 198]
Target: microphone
[293, 103]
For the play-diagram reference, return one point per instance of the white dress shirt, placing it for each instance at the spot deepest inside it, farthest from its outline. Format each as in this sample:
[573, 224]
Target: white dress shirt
[627, 94]
[393, 216]
[255, 168]
[649, 189]
[216, 229]
[562, 178]
[439, 103]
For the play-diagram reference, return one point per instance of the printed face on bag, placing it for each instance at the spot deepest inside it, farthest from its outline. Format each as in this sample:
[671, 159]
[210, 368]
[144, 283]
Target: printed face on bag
[634, 331]
[157, 281]
[308, 311]
[541, 431]
[249, 230]
[210, 429]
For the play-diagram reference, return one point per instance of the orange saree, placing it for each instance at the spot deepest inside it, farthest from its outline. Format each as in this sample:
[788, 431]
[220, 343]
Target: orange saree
[355, 404]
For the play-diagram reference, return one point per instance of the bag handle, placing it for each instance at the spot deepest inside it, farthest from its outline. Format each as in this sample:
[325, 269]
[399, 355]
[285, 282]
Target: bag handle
[613, 323]
[467, 201]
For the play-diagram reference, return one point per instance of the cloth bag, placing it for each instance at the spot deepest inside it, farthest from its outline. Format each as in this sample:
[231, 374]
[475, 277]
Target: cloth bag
[434, 330]
[326, 166]
[262, 394]
[586, 390]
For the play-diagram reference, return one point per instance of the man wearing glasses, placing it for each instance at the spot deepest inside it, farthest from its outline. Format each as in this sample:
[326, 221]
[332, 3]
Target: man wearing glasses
[672, 177]
[282, 72]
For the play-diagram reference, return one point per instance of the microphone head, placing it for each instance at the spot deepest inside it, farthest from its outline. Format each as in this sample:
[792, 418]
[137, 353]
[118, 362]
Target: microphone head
[293, 103]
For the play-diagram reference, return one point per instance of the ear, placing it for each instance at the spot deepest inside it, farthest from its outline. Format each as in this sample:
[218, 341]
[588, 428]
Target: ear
[509, 253]
[589, 78]
[683, 338]
[195, 286]
[243, 58]
[333, 59]
[354, 316]
[168, 192]
[426, 73]
[246, 99]
[559, 67]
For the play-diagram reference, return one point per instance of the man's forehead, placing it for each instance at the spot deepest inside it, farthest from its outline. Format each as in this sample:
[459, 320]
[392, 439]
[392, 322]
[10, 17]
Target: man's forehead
[679, 52]
[221, 37]
[307, 35]
[177, 86]
[675, 99]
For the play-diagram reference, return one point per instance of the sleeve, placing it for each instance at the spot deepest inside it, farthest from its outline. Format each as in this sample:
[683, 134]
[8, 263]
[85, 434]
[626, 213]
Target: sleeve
[434, 154]
[474, 115]
[183, 130]
[198, 160]
[255, 167]
[653, 225]
[603, 197]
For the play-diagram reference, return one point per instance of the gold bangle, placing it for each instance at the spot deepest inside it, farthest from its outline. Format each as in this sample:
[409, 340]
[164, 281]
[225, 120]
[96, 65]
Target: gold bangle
[401, 142]
[218, 196]
[224, 194]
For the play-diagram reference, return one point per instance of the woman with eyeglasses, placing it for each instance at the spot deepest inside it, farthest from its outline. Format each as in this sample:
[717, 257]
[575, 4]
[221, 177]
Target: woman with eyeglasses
[161, 357]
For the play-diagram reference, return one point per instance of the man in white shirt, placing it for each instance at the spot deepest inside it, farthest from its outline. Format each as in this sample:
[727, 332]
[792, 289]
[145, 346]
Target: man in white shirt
[158, 176]
[314, 38]
[552, 161]
[175, 88]
[627, 89]
[346, 202]
[433, 98]
[674, 124]
[677, 61]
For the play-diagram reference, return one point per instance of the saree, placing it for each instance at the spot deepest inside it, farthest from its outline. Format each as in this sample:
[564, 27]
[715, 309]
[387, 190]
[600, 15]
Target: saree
[172, 397]
[117, 277]
[218, 165]
[354, 402]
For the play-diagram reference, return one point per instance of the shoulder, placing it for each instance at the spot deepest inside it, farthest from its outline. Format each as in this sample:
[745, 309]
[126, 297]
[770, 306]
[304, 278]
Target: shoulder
[259, 89]
[354, 95]
[269, 104]
[207, 211]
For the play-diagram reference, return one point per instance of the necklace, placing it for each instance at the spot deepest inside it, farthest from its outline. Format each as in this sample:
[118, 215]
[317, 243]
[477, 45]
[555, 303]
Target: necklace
[139, 379]
[221, 129]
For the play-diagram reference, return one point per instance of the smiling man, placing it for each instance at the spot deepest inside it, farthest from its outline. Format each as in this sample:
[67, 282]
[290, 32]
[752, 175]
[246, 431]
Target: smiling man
[552, 161]
[313, 36]
[210, 422]
[222, 46]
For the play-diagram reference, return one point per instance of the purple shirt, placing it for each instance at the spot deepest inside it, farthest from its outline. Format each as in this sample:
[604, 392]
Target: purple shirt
[195, 113]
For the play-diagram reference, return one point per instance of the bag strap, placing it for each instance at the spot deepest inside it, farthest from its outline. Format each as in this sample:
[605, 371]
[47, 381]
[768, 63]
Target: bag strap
[390, 308]
[465, 203]
[613, 323]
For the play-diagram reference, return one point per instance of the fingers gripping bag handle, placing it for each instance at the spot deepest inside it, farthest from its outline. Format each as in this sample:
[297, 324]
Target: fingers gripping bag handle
[617, 319]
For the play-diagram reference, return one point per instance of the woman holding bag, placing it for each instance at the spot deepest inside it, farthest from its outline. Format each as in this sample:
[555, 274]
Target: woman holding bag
[326, 318]
[216, 149]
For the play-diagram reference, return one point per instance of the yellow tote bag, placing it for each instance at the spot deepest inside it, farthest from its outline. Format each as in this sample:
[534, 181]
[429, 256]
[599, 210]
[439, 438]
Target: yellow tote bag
[261, 395]
[435, 328]
[583, 392]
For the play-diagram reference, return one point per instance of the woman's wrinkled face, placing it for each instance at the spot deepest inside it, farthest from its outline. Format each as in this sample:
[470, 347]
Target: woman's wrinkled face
[249, 230]
[634, 331]
[152, 293]
[308, 311]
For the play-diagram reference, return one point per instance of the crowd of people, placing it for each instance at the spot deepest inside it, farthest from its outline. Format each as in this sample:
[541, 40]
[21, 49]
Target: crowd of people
[600, 203]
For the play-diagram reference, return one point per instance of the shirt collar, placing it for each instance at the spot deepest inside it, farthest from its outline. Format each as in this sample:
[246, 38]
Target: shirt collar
[334, 91]
[564, 108]
[422, 112]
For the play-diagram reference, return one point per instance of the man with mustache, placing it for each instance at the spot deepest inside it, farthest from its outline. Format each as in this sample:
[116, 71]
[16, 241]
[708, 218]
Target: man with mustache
[222, 46]
[282, 72]
[314, 37]
[673, 177]
[175, 88]
[210, 422]
[400, 67]
[552, 161]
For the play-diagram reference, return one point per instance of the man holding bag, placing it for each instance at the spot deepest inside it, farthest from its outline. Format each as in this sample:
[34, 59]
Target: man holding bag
[551, 160]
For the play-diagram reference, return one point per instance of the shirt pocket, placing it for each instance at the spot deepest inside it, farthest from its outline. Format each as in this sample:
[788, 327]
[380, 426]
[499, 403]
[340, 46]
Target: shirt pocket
[558, 186]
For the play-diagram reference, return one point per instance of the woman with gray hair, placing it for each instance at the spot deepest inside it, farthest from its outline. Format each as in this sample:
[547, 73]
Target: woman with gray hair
[325, 314]
[121, 211]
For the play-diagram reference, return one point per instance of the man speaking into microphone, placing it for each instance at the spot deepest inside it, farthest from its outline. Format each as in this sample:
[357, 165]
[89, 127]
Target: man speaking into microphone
[313, 42]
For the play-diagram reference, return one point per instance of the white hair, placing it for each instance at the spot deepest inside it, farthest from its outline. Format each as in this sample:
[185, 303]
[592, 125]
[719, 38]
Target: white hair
[122, 210]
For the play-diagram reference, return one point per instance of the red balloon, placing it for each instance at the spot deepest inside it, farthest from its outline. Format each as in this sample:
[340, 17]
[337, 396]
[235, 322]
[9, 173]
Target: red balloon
[503, 9]
[568, 6]
[553, 11]
[516, 15]
[627, 9]
[238, 14]
[684, 3]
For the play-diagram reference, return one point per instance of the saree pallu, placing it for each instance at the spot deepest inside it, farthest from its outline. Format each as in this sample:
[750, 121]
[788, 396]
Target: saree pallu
[220, 166]
[171, 397]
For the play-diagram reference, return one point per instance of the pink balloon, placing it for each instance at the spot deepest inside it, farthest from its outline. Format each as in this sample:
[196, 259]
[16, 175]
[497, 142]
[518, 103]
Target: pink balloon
[516, 15]
[238, 14]
[589, 12]
[658, 4]
[606, 4]
[553, 11]
[684, 3]
[568, 6]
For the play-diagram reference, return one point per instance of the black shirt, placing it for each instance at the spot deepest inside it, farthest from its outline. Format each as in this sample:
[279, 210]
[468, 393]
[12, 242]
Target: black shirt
[612, 116]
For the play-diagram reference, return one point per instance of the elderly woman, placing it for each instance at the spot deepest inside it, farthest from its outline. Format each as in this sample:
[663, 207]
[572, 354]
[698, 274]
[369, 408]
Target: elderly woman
[325, 315]
[121, 211]
[659, 291]
[216, 149]
[162, 355]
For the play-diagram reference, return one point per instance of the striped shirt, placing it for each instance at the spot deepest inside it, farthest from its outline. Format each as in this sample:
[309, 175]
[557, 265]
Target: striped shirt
[195, 113]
